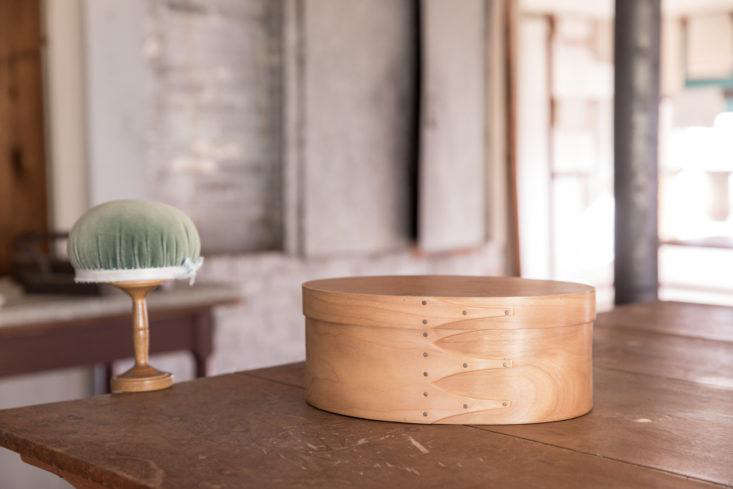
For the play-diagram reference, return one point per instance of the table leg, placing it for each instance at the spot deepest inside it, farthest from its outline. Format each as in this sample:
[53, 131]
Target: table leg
[203, 344]
[102, 377]
[200, 361]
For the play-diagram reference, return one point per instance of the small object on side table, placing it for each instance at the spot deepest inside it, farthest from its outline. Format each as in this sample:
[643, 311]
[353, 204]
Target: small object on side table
[135, 245]
[38, 268]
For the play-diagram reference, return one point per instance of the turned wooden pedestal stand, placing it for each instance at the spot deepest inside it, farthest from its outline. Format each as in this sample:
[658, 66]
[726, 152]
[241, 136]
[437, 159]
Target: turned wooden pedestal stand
[141, 377]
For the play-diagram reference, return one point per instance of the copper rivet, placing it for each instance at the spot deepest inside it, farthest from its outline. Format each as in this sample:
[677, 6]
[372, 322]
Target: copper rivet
[506, 312]
[425, 354]
[465, 312]
[504, 403]
[465, 406]
[465, 365]
[425, 321]
[425, 335]
[424, 374]
[425, 394]
[424, 303]
[425, 413]
[505, 364]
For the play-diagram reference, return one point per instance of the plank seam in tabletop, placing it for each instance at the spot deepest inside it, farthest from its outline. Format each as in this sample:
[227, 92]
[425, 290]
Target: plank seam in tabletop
[599, 455]
[663, 377]
[637, 329]
[276, 381]
[619, 325]
[623, 317]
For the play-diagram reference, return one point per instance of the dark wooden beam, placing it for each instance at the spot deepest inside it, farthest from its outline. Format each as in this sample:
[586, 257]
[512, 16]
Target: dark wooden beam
[511, 33]
[636, 105]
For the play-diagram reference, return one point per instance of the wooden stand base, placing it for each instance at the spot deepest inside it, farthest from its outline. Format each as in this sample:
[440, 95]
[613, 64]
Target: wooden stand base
[141, 377]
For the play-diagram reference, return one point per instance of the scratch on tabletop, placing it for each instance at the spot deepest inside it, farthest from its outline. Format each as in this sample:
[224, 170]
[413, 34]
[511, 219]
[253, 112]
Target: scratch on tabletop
[418, 445]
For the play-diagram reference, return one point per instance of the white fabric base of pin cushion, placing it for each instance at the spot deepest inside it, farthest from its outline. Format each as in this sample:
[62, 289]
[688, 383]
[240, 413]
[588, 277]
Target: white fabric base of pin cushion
[186, 271]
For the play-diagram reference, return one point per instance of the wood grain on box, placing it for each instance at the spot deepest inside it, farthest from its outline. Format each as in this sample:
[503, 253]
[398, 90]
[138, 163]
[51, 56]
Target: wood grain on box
[449, 349]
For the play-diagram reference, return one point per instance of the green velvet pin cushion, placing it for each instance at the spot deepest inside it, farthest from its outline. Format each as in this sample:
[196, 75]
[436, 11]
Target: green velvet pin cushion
[131, 240]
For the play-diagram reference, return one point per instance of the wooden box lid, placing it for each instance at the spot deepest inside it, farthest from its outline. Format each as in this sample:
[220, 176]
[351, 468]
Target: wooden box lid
[464, 302]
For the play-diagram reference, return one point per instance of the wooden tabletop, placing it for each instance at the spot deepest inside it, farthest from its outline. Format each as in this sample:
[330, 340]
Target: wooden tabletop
[662, 418]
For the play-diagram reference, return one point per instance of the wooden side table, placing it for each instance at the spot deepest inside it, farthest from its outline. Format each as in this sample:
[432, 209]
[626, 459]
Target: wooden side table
[47, 332]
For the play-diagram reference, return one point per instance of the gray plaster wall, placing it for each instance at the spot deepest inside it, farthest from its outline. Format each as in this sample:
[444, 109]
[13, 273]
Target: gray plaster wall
[358, 62]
